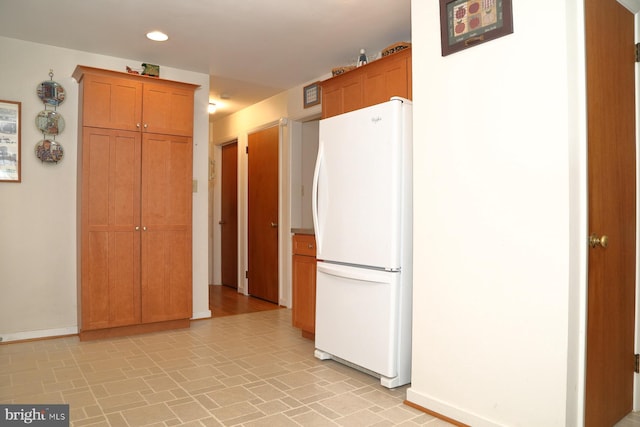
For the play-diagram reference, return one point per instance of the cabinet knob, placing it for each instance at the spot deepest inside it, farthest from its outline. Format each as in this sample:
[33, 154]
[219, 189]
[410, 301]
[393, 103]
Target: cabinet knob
[138, 125]
[137, 228]
[146, 125]
[310, 246]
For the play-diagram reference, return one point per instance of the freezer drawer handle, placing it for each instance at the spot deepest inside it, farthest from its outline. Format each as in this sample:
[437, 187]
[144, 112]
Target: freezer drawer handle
[361, 274]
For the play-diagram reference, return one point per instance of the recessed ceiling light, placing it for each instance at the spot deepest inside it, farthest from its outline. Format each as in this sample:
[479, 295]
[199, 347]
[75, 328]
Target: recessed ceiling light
[157, 36]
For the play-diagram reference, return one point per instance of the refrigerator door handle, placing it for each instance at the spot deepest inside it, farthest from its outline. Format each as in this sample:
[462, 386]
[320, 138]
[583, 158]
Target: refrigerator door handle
[314, 196]
[360, 274]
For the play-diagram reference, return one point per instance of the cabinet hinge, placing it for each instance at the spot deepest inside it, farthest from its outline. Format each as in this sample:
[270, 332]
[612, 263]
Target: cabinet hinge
[637, 364]
[246, 149]
[637, 52]
[246, 276]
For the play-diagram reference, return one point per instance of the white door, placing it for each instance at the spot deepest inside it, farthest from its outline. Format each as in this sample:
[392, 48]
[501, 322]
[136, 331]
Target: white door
[357, 187]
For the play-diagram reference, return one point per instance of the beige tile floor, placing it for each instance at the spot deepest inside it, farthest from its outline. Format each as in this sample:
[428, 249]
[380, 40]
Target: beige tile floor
[246, 370]
[631, 420]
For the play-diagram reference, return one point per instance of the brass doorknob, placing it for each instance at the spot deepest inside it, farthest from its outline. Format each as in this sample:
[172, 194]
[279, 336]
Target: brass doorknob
[595, 241]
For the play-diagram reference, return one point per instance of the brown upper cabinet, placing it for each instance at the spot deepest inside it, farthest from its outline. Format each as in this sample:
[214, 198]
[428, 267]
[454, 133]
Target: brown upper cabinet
[368, 85]
[130, 102]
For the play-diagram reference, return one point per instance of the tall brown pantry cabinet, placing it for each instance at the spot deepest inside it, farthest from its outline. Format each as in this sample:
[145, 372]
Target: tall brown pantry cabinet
[135, 196]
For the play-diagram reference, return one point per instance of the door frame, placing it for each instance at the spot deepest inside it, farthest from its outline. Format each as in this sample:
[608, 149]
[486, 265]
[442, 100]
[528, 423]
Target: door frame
[634, 7]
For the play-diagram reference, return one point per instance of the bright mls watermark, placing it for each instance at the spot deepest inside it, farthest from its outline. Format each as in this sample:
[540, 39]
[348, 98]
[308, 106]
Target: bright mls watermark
[34, 415]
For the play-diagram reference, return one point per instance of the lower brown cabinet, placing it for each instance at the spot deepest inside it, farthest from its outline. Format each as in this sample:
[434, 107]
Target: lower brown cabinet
[304, 284]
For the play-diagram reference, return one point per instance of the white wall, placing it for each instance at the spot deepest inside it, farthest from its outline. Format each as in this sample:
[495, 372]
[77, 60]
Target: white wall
[310, 141]
[38, 215]
[304, 150]
[499, 211]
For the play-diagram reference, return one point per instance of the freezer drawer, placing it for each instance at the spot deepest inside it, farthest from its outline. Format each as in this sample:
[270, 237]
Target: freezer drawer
[357, 316]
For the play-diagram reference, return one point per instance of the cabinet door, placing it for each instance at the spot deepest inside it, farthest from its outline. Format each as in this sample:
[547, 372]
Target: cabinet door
[168, 109]
[166, 228]
[342, 94]
[385, 79]
[304, 293]
[331, 100]
[111, 102]
[110, 244]
[304, 244]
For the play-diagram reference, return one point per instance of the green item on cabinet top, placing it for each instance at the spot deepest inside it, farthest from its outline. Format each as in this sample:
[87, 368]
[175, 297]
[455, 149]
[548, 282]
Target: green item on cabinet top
[150, 70]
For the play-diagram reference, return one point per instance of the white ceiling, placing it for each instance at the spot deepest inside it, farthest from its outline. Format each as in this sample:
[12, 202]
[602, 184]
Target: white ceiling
[252, 49]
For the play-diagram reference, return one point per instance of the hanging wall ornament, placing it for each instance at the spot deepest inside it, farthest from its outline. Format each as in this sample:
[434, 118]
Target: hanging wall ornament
[49, 121]
[50, 92]
[49, 151]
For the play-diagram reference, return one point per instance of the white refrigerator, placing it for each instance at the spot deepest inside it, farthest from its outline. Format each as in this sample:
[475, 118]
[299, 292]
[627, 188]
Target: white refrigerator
[362, 214]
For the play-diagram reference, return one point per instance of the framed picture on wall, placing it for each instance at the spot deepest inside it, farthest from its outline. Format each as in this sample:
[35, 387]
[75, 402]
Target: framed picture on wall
[467, 23]
[10, 122]
[311, 95]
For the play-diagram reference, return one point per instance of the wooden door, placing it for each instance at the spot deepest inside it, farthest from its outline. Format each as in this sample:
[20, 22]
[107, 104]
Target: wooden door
[263, 214]
[110, 242]
[611, 174]
[166, 228]
[229, 216]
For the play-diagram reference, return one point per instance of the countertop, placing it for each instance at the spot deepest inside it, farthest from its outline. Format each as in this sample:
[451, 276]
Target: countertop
[302, 231]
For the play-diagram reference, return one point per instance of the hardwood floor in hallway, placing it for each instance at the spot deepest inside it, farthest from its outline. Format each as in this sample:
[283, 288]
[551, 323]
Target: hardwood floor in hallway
[226, 301]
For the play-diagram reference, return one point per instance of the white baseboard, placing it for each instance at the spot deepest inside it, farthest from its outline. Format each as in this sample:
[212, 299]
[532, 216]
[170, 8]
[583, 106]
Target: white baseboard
[52, 333]
[44, 333]
[447, 410]
[201, 315]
